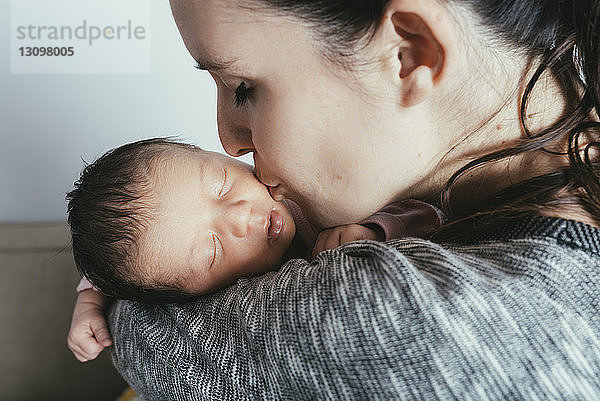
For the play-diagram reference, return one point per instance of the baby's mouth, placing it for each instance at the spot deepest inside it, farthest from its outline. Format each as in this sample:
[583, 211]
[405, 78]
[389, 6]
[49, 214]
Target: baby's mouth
[274, 226]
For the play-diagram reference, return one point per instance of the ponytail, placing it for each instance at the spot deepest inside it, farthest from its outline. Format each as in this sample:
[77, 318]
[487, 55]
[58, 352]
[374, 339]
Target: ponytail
[585, 17]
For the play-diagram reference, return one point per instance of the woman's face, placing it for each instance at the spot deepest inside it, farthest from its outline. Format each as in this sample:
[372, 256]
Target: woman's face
[319, 135]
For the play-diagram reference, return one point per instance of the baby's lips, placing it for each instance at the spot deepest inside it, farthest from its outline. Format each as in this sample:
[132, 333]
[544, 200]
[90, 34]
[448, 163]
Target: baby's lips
[274, 226]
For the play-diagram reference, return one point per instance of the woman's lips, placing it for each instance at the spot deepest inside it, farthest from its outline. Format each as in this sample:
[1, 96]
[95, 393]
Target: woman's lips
[274, 226]
[273, 191]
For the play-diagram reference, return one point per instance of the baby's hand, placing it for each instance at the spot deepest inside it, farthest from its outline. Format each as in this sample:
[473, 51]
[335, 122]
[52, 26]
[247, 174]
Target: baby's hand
[333, 237]
[88, 334]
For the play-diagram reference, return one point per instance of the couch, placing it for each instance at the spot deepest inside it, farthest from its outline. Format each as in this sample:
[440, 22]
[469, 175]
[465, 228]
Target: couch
[37, 294]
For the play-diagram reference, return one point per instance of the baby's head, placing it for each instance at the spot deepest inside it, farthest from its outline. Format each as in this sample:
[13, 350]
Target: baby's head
[160, 221]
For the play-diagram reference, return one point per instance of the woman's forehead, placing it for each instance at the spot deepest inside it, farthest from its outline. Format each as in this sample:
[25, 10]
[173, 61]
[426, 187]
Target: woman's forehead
[219, 34]
[210, 18]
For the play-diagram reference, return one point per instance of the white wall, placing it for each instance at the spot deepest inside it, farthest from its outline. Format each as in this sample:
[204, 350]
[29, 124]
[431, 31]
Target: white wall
[49, 122]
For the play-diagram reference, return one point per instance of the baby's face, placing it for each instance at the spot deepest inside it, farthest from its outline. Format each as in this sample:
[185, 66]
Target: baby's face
[216, 223]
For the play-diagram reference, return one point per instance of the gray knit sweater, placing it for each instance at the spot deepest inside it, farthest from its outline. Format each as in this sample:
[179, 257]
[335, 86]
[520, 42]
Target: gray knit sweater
[510, 315]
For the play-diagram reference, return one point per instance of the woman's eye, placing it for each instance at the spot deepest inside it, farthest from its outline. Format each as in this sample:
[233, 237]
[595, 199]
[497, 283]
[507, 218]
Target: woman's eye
[242, 94]
[222, 190]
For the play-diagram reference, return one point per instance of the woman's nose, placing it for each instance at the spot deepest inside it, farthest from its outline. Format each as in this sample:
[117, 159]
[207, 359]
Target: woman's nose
[234, 131]
[236, 142]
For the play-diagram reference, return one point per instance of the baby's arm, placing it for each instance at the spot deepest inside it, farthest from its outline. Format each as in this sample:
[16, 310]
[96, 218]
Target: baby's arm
[89, 334]
[405, 218]
[333, 237]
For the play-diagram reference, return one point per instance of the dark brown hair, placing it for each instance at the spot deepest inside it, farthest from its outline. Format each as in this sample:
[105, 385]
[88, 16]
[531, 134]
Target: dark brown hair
[564, 35]
[108, 211]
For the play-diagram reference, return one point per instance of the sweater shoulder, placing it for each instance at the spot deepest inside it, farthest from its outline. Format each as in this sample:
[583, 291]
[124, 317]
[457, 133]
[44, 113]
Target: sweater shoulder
[404, 318]
[538, 272]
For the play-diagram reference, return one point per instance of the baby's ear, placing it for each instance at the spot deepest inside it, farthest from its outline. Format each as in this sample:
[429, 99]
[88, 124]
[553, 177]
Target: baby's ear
[420, 43]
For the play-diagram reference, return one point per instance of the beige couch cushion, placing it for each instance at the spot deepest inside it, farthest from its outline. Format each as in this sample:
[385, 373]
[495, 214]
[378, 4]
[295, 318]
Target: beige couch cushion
[37, 295]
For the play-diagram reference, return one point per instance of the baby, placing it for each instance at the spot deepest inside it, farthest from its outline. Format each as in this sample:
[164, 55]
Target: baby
[162, 221]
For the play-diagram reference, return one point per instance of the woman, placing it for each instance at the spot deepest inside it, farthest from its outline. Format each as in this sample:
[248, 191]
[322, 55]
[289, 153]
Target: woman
[488, 109]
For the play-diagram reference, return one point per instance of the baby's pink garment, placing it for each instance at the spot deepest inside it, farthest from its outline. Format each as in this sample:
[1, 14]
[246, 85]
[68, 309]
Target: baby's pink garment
[84, 284]
[406, 218]
[303, 228]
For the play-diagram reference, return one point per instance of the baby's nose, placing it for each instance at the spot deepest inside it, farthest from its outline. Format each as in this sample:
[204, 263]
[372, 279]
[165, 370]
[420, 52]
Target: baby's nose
[238, 218]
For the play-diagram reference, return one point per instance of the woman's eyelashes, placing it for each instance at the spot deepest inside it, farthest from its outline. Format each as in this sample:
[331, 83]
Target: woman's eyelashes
[242, 94]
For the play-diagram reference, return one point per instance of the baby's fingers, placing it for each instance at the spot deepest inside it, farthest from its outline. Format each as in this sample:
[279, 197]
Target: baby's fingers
[84, 347]
[320, 244]
[327, 239]
[101, 332]
[91, 353]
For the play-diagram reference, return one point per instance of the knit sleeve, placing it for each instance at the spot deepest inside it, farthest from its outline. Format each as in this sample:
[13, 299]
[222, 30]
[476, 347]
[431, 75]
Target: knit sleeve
[368, 320]
[326, 329]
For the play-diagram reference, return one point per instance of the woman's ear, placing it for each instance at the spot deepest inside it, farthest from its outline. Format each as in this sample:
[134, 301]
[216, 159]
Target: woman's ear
[420, 43]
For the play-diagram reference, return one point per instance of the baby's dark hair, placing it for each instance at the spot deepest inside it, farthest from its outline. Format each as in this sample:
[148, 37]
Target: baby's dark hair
[109, 210]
